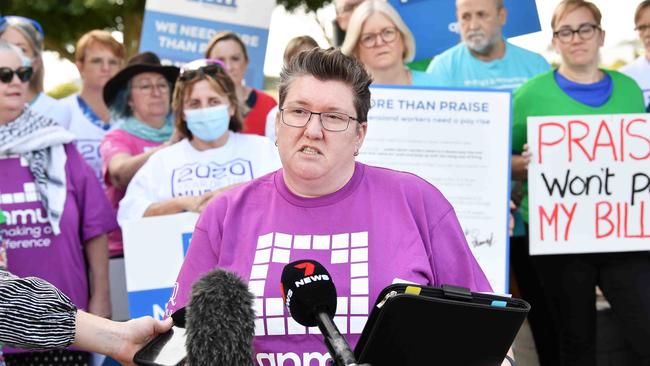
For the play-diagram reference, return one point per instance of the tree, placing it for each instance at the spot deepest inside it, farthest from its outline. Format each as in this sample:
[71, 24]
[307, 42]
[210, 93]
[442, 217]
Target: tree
[64, 21]
[310, 5]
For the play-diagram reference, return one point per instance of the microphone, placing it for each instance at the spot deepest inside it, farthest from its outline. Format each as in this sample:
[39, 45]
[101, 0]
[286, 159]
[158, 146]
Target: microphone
[220, 321]
[310, 296]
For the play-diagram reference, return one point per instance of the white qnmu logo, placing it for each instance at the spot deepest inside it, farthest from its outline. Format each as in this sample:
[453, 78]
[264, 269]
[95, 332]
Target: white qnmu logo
[344, 249]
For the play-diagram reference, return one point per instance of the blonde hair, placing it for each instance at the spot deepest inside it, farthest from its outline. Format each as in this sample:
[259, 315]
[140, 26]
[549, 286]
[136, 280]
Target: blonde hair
[567, 6]
[35, 41]
[297, 45]
[362, 13]
[101, 38]
[639, 9]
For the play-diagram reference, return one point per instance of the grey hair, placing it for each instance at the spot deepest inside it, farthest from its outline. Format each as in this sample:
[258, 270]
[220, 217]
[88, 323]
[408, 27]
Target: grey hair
[362, 13]
[327, 65]
[6, 46]
[35, 40]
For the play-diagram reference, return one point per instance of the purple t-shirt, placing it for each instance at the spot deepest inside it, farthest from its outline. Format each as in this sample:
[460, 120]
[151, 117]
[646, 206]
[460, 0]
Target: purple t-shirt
[33, 250]
[382, 227]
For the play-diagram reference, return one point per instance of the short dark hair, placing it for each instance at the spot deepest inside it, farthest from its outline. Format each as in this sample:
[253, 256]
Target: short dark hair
[330, 64]
[641, 7]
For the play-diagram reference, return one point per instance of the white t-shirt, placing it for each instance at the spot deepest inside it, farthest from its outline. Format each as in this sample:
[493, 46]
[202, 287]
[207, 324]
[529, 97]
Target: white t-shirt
[181, 170]
[639, 70]
[88, 136]
[270, 123]
[51, 108]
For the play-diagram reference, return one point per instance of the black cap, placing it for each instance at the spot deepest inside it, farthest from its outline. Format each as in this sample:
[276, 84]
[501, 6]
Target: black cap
[142, 62]
[307, 289]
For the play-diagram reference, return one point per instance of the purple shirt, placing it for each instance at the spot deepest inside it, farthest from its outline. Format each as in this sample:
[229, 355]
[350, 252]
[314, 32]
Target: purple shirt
[382, 227]
[32, 248]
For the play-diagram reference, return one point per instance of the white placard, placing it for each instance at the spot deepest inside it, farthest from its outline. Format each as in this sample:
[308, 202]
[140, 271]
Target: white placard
[458, 140]
[154, 249]
[589, 183]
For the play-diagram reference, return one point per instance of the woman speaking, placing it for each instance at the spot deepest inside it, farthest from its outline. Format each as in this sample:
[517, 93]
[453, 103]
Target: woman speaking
[370, 226]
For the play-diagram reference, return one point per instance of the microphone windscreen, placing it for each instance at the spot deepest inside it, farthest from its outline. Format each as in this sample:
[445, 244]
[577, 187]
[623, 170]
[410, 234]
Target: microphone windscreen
[220, 321]
[307, 289]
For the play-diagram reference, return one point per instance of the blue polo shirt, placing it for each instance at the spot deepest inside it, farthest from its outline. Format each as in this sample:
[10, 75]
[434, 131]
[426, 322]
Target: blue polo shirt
[457, 67]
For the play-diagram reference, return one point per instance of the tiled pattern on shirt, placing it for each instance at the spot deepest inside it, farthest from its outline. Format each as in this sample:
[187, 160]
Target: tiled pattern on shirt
[347, 248]
[28, 194]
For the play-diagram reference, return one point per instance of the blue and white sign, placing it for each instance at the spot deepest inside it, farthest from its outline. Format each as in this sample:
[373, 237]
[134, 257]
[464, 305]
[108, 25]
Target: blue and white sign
[154, 249]
[434, 25]
[178, 31]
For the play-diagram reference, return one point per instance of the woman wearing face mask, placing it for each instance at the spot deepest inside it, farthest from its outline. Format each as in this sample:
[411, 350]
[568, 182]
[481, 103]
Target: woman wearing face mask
[214, 156]
[27, 34]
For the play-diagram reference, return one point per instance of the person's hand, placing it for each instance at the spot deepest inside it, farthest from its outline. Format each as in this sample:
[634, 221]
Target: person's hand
[100, 305]
[520, 163]
[208, 196]
[135, 334]
[511, 223]
[3, 253]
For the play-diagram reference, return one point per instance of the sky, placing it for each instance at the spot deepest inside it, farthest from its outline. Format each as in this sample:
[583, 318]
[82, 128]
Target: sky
[617, 22]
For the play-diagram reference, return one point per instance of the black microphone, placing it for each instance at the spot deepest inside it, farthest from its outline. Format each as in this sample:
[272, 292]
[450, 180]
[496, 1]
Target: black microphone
[310, 296]
[220, 321]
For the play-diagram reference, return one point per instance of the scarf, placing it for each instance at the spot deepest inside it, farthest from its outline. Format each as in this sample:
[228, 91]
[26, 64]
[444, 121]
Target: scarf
[40, 141]
[142, 130]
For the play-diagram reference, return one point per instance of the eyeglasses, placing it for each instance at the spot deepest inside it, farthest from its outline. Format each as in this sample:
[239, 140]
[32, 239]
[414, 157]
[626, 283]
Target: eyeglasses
[388, 35]
[331, 121]
[206, 66]
[585, 32]
[642, 28]
[18, 19]
[162, 86]
[24, 73]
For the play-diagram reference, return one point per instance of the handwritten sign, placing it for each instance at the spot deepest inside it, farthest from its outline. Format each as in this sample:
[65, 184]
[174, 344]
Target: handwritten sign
[589, 183]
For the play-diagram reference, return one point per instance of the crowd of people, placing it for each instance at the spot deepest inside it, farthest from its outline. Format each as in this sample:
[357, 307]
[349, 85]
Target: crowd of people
[144, 139]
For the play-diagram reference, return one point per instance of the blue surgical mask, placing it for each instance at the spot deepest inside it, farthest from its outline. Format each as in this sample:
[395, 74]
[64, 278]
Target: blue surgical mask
[208, 124]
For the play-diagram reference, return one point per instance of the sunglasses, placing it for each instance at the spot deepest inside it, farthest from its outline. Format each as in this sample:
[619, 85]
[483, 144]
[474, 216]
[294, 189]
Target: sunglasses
[206, 66]
[24, 73]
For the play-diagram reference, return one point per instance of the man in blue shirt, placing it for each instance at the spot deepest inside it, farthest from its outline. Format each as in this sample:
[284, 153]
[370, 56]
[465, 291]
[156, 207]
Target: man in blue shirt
[484, 59]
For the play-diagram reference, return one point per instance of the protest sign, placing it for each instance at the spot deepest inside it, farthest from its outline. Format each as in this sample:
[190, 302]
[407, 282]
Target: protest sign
[459, 141]
[178, 31]
[589, 183]
[154, 249]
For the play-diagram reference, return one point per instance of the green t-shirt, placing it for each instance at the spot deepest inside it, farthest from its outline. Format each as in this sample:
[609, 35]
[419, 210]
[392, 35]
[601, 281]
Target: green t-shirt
[541, 96]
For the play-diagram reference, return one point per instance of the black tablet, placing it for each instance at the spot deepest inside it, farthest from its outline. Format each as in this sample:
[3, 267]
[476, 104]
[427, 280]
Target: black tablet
[414, 325]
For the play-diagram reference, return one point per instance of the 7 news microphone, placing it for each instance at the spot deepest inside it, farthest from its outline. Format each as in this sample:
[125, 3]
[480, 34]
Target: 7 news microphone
[310, 296]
